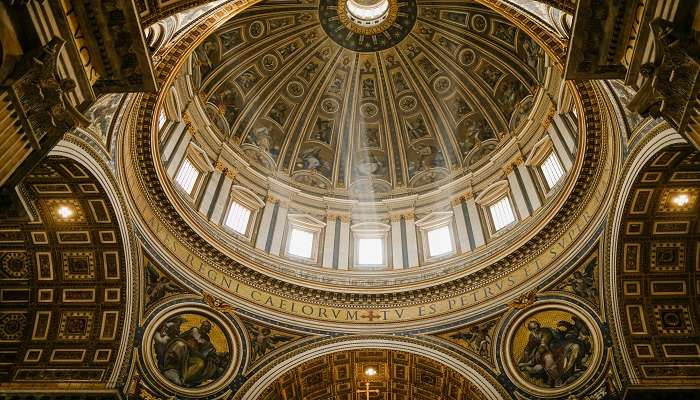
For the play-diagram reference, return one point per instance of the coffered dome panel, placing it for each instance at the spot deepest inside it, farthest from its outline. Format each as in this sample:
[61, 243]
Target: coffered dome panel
[301, 91]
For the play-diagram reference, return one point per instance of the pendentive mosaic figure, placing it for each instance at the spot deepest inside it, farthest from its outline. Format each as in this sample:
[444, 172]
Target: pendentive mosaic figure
[556, 356]
[186, 353]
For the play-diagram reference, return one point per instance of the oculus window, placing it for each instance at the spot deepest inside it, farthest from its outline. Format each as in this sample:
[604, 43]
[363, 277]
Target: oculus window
[367, 12]
[187, 176]
[238, 217]
[502, 213]
[440, 241]
[301, 243]
[552, 170]
[370, 251]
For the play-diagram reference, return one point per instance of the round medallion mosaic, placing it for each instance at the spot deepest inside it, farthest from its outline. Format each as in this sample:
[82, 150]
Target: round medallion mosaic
[191, 350]
[553, 348]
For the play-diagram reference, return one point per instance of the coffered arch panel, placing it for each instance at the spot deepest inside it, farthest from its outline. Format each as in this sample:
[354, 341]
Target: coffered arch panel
[67, 294]
[656, 264]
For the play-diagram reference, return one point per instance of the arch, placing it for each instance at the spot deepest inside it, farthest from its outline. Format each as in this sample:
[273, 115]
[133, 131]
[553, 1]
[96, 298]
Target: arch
[70, 147]
[260, 381]
[665, 137]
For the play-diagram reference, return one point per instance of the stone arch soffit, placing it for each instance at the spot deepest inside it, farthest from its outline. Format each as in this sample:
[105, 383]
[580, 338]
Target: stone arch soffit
[636, 162]
[70, 149]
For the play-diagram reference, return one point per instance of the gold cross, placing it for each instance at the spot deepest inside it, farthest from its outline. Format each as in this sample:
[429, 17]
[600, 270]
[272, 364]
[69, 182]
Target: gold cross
[371, 316]
[367, 390]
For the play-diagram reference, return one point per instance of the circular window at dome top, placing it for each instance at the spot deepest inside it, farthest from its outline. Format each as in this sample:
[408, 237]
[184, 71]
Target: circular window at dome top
[367, 12]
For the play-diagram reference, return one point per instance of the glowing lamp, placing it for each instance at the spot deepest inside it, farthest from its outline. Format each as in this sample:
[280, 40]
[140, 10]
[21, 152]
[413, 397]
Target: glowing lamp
[681, 199]
[65, 211]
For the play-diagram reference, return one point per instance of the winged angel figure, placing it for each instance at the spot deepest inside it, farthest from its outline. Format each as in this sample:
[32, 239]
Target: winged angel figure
[583, 283]
[157, 284]
[263, 340]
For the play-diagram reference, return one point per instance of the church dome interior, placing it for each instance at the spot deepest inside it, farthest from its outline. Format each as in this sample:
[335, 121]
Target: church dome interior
[332, 110]
[350, 199]
[409, 144]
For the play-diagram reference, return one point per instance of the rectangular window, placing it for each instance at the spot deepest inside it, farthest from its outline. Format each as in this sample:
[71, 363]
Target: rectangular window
[301, 243]
[370, 251]
[552, 170]
[237, 218]
[439, 241]
[187, 176]
[501, 213]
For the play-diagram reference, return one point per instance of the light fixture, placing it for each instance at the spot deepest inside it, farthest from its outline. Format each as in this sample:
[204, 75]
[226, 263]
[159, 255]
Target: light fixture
[65, 211]
[681, 199]
[370, 371]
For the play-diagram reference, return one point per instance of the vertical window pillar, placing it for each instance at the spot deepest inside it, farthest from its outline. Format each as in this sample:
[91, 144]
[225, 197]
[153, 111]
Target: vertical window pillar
[279, 225]
[529, 185]
[567, 132]
[461, 223]
[220, 203]
[329, 241]
[178, 153]
[560, 146]
[172, 143]
[518, 190]
[265, 223]
[474, 220]
[344, 248]
[411, 240]
[212, 189]
[166, 132]
[396, 242]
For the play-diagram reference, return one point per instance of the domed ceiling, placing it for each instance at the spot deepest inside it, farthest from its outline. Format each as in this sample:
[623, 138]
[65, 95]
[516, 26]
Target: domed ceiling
[422, 94]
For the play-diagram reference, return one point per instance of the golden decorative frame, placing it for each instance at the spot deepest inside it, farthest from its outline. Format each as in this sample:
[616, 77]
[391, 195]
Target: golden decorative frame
[368, 30]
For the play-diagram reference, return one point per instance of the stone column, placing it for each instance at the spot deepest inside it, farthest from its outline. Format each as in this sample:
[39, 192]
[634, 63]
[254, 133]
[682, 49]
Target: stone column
[178, 154]
[521, 202]
[170, 143]
[560, 148]
[221, 201]
[461, 223]
[279, 225]
[568, 135]
[344, 248]
[396, 242]
[474, 220]
[528, 183]
[265, 223]
[329, 241]
[166, 132]
[212, 190]
[411, 239]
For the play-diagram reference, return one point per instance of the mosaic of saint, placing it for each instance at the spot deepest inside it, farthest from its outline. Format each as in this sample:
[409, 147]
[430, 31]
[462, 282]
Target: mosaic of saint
[552, 349]
[191, 350]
